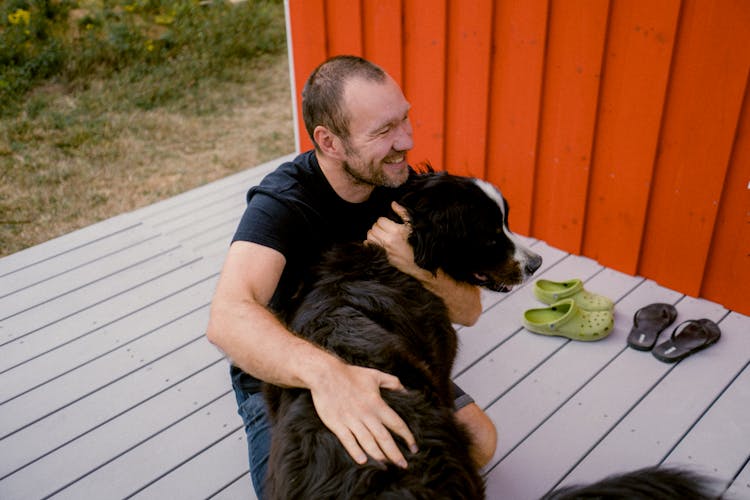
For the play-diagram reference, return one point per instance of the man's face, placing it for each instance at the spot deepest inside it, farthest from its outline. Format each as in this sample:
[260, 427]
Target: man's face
[380, 133]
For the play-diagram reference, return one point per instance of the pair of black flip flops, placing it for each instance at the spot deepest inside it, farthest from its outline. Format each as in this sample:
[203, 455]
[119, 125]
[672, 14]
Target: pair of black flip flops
[687, 338]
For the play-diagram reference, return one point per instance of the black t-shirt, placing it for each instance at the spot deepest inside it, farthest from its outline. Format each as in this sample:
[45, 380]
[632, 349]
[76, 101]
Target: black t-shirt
[295, 211]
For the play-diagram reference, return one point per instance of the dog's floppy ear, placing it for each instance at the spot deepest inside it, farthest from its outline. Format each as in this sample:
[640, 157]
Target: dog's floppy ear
[438, 222]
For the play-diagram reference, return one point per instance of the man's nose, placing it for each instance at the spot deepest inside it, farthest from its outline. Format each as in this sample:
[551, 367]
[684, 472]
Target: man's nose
[404, 140]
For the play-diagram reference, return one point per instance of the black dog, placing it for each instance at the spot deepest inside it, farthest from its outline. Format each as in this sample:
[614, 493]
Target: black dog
[371, 314]
[650, 483]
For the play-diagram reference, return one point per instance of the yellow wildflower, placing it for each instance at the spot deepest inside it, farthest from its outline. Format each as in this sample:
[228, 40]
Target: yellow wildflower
[164, 19]
[20, 16]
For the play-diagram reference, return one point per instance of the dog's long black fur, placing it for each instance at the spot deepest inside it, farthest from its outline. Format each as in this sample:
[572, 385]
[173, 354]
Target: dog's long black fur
[649, 483]
[370, 314]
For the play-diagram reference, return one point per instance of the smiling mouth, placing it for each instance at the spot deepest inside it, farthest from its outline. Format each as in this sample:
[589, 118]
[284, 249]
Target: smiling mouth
[395, 160]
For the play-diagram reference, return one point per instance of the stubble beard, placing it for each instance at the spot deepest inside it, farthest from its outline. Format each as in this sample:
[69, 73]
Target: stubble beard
[370, 174]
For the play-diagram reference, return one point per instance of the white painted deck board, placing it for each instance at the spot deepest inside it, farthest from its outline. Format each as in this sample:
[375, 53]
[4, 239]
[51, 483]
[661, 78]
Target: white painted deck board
[109, 389]
[115, 336]
[721, 437]
[228, 456]
[740, 488]
[71, 263]
[86, 311]
[71, 242]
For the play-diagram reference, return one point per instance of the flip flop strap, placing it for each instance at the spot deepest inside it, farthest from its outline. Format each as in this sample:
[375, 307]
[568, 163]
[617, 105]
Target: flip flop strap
[679, 328]
[642, 310]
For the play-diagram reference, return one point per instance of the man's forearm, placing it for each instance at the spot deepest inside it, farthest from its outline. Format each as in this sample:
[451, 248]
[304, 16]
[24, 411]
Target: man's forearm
[463, 301]
[259, 344]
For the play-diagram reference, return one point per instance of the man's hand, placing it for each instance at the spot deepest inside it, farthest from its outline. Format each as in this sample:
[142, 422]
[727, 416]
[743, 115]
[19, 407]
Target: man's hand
[348, 402]
[394, 238]
[464, 301]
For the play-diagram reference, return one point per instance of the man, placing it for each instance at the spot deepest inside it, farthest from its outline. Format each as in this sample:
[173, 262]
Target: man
[358, 120]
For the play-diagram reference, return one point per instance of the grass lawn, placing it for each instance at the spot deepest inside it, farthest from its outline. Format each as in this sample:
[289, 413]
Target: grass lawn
[121, 130]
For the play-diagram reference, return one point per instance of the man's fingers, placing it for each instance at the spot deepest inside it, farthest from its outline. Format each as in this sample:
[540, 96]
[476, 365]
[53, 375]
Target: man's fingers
[395, 423]
[351, 445]
[401, 212]
[386, 444]
[359, 417]
[390, 382]
[367, 441]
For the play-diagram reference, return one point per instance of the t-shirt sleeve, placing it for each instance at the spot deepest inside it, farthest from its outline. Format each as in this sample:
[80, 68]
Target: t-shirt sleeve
[269, 222]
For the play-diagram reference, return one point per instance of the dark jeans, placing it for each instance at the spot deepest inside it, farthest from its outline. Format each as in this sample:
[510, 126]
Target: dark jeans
[252, 408]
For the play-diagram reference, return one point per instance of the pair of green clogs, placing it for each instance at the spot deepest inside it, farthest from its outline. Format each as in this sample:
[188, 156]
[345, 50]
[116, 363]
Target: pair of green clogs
[573, 312]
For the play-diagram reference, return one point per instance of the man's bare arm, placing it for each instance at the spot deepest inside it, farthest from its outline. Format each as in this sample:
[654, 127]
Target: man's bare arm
[347, 398]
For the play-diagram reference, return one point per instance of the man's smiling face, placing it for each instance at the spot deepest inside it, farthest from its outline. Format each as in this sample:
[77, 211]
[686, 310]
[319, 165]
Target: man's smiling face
[380, 132]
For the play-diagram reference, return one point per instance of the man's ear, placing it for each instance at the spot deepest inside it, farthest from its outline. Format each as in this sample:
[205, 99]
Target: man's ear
[329, 143]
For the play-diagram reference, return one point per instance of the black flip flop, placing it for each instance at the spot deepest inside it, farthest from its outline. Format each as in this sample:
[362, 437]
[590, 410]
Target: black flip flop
[648, 322]
[687, 338]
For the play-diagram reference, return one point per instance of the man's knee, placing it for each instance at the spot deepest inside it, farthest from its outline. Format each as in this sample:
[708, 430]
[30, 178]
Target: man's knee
[482, 432]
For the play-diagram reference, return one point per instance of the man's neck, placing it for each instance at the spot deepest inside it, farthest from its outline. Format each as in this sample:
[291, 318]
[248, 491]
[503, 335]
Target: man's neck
[342, 183]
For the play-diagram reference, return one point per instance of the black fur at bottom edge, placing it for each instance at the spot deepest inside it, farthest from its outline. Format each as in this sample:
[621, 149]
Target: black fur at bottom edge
[649, 483]
[310, 459]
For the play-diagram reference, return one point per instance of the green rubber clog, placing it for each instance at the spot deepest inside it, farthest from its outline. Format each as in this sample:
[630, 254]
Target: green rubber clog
[550, 292]
[566, 319]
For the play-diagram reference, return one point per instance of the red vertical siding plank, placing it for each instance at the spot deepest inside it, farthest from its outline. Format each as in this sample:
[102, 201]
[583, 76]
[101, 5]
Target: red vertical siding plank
[727, 276]
[383, 40]
[467, 96]
[705, 97]
[307, 23]
[636, 72]
[424, 76]
[344, 27]
[515, 99]
[575, 46]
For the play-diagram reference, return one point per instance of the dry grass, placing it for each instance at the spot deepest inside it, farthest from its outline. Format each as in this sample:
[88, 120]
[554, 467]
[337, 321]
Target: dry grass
[74, 168]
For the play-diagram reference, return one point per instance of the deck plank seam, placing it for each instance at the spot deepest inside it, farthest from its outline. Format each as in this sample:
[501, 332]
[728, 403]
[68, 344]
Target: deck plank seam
[102, 301]
[102, 387]
[737, 474]
[704, 412]
[103, 354]
[228, 485]
[77, 247]
[112, 418]
[79, 266]
[117, 320]
[616, 423]
[138, 444]
[183, 462]
[97, 280]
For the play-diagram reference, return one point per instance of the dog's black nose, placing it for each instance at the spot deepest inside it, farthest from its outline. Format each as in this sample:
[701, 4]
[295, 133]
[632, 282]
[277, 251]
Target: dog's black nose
[534, 262]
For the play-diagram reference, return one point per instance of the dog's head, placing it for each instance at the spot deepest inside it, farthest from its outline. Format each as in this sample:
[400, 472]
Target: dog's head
[460, 225]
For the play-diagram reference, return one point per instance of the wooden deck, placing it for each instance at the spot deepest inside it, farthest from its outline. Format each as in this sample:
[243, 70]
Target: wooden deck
[109, 389]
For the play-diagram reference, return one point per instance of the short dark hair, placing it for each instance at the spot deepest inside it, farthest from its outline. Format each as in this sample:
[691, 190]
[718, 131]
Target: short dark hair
[322, 96]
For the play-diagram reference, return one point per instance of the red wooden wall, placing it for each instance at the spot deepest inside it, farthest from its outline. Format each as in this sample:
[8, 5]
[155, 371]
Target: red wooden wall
[618, 129]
